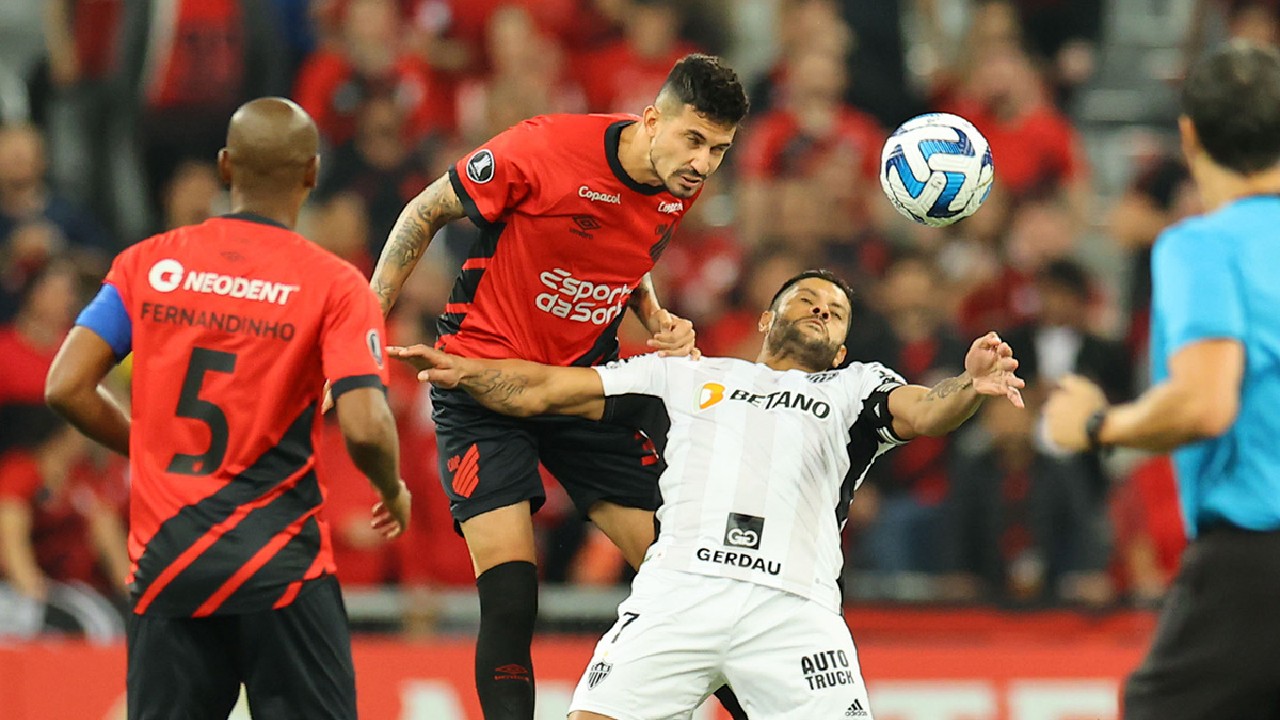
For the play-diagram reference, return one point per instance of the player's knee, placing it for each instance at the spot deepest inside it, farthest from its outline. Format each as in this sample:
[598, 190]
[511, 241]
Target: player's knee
[509, 595]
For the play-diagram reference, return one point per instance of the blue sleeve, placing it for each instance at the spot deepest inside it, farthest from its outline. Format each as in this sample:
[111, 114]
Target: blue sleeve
[107, 317]
[1197, 293]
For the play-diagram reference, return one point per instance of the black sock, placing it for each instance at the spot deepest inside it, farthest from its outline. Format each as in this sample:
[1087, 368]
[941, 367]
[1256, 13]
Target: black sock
[730, 702]
[504, 669]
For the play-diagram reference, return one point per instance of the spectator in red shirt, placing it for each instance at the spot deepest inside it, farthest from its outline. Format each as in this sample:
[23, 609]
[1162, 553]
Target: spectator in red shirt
[527, 79]
[47, 305]
[802, 24]
[1036, 149]
[87, 117]
[334, 83]
[59, 538]
[188, 67]
[628, 73]
[457, 29]
[809, 167]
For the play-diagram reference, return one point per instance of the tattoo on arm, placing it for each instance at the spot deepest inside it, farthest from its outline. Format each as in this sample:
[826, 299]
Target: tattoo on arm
[426, 214]
[497, 389]
[949, 387]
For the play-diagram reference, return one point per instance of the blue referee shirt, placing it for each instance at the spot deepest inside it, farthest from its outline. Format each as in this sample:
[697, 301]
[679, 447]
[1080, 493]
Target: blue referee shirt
[1218, 276]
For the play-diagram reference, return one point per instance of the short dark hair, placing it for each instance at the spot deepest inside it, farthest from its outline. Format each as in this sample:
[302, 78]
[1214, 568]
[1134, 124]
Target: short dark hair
[1232, 96]
[821, 274]
[1068, 275]
[710, 86]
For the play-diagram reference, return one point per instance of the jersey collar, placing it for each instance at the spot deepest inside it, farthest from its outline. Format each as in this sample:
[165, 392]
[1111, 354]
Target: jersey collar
[612, 141]
[255, 218]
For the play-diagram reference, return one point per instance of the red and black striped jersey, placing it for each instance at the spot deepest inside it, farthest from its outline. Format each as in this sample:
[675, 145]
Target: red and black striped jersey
[236, 323]
[566, 235]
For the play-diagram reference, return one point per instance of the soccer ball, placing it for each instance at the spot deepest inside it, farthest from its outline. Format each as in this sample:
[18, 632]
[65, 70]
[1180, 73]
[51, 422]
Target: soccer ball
[936, 169]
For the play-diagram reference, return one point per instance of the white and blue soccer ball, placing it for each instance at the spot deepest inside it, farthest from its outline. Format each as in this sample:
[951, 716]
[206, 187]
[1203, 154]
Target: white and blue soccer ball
[936, 169]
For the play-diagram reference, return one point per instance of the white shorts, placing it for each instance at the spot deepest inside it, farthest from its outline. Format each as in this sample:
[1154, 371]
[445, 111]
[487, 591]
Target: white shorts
[680, 636]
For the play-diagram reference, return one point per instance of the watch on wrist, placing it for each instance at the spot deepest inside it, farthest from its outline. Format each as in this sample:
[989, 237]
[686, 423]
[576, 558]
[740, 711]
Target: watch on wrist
[1093, 429]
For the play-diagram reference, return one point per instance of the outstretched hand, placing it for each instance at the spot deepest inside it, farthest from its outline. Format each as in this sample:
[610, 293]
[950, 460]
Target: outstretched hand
[990, 362]
[434, 366]
[673, 336]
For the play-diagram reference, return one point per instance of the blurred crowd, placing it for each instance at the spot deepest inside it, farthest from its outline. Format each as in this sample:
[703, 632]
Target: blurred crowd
[113, 111]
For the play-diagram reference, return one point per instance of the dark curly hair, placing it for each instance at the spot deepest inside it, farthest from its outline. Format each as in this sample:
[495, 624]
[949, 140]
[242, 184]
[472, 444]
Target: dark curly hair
[710, 86]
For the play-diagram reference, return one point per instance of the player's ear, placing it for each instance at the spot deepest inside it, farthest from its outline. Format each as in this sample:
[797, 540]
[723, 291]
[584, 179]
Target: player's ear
[224, 166]
[312, 172]
[649, 120]
[840, 355]
[1191, 147]
[766, 320]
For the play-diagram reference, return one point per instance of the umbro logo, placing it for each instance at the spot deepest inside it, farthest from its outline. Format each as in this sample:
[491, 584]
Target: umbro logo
[855, 709]
[584, 225]
[512, 671]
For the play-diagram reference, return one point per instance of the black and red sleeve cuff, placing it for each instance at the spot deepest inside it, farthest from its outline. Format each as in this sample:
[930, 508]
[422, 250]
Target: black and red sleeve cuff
[355, 382]
[468, 203]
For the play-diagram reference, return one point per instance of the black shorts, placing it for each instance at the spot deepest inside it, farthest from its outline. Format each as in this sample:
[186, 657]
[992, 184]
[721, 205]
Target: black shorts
[1216, 652]
[488, 460]
[295, 662]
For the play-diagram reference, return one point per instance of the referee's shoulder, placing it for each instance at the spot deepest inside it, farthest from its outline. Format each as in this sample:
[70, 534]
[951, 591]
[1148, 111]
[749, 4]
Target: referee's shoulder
[1192, 233]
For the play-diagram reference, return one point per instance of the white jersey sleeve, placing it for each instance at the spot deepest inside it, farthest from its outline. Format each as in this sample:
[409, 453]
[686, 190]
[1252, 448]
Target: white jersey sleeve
[866, 389]
[642, 374]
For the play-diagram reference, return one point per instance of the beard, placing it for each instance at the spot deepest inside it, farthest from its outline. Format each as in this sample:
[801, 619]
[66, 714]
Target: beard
[788, 339]
[672, 182]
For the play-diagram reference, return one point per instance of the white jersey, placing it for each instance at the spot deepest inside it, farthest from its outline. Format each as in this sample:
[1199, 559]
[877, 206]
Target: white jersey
[755, 487]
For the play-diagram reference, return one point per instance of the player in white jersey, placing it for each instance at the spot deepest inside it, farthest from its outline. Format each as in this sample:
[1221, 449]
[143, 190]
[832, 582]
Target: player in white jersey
[740, 586]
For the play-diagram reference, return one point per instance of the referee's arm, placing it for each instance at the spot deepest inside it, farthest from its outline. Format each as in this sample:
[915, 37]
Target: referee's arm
[1199, 400]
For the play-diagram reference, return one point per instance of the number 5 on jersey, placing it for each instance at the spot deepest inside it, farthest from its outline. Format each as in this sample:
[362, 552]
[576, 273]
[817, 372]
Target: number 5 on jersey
[190, 405]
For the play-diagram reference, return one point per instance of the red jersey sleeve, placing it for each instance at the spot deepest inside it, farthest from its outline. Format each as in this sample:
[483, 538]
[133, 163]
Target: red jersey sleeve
[498, 176]
[351, 336]
[19, 477]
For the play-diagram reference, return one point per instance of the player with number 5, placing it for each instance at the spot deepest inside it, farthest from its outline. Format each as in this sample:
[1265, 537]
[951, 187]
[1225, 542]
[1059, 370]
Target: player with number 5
[234, 324]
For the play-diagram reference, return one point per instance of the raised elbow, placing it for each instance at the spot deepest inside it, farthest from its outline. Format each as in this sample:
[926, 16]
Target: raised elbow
[60, 393]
